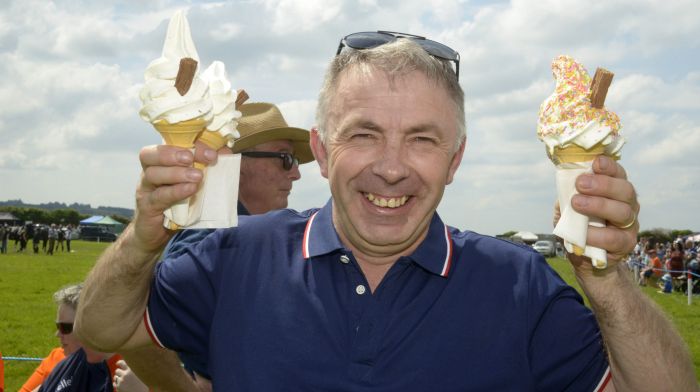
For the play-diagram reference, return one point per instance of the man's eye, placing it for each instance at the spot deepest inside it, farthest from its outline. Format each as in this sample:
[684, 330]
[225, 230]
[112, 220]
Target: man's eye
[424, 139]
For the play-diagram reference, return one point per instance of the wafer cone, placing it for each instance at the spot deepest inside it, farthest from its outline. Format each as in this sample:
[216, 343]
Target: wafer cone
[182, 134]
[213, 139]
[575, 153]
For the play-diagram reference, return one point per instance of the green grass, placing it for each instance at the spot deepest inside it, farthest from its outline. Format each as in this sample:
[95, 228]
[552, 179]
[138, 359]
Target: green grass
[685, 317]
[27, 311]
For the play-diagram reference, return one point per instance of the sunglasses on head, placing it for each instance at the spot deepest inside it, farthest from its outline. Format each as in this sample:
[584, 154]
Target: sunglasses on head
[64, 328]
[288, 160]
[372, 39]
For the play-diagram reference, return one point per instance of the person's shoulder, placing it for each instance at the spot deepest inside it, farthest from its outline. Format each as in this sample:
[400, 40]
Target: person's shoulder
[276, 220]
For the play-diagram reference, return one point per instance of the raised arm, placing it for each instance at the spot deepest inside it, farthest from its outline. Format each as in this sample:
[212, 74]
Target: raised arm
[113, 300]
[632, 326]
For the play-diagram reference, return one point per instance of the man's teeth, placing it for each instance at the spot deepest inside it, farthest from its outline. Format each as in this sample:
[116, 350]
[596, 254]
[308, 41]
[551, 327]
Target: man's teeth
[392, 202]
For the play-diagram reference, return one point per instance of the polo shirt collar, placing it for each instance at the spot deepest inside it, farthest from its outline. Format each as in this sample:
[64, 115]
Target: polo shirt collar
[434, 253]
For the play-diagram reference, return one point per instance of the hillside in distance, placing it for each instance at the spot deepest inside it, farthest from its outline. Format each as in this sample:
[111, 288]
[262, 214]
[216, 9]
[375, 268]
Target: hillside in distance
[85, 209]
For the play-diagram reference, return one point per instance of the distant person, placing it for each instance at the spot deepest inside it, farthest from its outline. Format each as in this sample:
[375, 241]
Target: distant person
[61, 238]
[4, 233]
[53, 236]
[676, 259]
[69, 235]
[66, 299]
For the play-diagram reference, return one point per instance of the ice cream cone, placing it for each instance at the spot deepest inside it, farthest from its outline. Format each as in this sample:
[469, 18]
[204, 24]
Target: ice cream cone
[213, 139]
[574, 153]
[182, 134]
[578, 154]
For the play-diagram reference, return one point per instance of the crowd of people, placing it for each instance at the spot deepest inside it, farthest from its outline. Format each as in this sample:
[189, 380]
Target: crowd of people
[667, 264]
[46, 238]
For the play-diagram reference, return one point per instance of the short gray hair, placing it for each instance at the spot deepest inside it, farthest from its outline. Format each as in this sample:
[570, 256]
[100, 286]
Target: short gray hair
[396, 58]
[68, 295]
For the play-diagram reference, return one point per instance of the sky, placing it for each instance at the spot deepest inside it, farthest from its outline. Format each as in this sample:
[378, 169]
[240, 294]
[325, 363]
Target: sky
[71, 71]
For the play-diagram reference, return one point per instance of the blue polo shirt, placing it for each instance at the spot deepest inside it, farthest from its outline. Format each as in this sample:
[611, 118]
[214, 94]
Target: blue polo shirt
[279, 303]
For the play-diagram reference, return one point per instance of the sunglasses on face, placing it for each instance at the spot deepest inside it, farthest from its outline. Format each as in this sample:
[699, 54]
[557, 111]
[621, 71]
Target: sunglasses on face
[288, 160]
[65, 328]
[372, 39]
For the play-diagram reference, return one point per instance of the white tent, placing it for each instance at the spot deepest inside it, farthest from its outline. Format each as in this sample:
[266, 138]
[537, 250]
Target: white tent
[525, 236]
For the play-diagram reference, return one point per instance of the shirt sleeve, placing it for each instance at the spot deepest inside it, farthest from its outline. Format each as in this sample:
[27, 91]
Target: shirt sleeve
[183, 297]
[566, 346]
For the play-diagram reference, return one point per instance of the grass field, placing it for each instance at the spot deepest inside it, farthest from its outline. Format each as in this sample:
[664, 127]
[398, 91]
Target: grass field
[27, 312]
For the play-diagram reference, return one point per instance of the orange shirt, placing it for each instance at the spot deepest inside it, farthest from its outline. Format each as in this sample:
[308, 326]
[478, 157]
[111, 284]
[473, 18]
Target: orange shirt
[43, 370]
[47, 364]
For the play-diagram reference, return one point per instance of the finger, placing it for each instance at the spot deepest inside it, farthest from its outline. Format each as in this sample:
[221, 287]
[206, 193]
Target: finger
[617, 242]
[118, 372]
[121, 364]
[163, 197]
[156, 176]
[608, 166]
[164, 155]
[204, 154]
[606, 186]
[613, 212]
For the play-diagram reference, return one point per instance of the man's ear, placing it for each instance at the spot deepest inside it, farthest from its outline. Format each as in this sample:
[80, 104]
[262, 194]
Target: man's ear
[456, 160]
[319, 151]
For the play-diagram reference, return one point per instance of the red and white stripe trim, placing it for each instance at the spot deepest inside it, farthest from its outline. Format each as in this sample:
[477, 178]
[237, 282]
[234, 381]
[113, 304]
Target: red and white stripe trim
[604, 381]
[305, 243]
[447, 263]
[149, 329]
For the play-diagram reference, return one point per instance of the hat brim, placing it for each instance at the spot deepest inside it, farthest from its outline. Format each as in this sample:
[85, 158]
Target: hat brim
[299, 138]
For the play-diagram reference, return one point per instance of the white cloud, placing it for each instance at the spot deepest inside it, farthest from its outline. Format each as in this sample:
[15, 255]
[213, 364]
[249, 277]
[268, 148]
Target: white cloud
[71, 71]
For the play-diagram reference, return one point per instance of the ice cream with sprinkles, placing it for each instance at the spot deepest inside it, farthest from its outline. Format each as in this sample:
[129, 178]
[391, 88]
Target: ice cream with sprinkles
[576, 128]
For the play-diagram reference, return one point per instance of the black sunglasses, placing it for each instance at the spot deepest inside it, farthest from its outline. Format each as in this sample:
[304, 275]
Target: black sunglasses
[288, 160]
[64, 328]
[372, 39]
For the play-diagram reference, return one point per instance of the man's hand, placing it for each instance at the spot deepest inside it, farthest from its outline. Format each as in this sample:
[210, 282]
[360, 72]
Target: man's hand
[168, 177]
[607, 194]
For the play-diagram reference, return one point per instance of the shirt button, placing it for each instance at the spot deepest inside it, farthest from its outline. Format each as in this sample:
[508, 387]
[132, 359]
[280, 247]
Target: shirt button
[344, 259]
[360, 289]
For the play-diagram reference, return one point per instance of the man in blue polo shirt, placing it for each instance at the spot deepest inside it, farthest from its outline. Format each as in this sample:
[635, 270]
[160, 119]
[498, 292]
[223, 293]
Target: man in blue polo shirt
[374, 292]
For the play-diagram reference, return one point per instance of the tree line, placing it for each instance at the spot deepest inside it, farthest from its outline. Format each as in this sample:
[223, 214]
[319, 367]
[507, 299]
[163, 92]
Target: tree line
[63, 216]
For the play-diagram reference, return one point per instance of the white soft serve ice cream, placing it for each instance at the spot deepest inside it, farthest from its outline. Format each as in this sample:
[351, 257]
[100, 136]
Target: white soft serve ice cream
[224, 111]
[161, 100]
[567, 118]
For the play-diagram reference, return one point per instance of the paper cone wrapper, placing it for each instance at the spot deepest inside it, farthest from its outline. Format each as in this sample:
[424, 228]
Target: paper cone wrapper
[572, 226]
[182, 134]
[215, 205]
[213, 139]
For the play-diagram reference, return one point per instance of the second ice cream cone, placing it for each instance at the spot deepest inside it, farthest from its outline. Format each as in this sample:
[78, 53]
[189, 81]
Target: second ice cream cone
[213, 140]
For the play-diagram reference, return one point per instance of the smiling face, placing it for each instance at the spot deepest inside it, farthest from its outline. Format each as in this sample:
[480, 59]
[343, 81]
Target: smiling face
[264, 184]
[389, 155]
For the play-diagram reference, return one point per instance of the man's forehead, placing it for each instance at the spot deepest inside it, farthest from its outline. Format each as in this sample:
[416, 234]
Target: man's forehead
[275, 145]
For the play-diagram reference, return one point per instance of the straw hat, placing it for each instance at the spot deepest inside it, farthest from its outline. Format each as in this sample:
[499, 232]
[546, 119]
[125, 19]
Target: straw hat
[263, 122]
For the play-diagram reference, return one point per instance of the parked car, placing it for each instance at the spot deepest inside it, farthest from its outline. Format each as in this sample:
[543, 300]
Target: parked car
[96, 233]
[545, 248]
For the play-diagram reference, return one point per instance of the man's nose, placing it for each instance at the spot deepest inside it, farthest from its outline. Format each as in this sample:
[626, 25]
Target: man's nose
[294, 173]
[391, 164]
